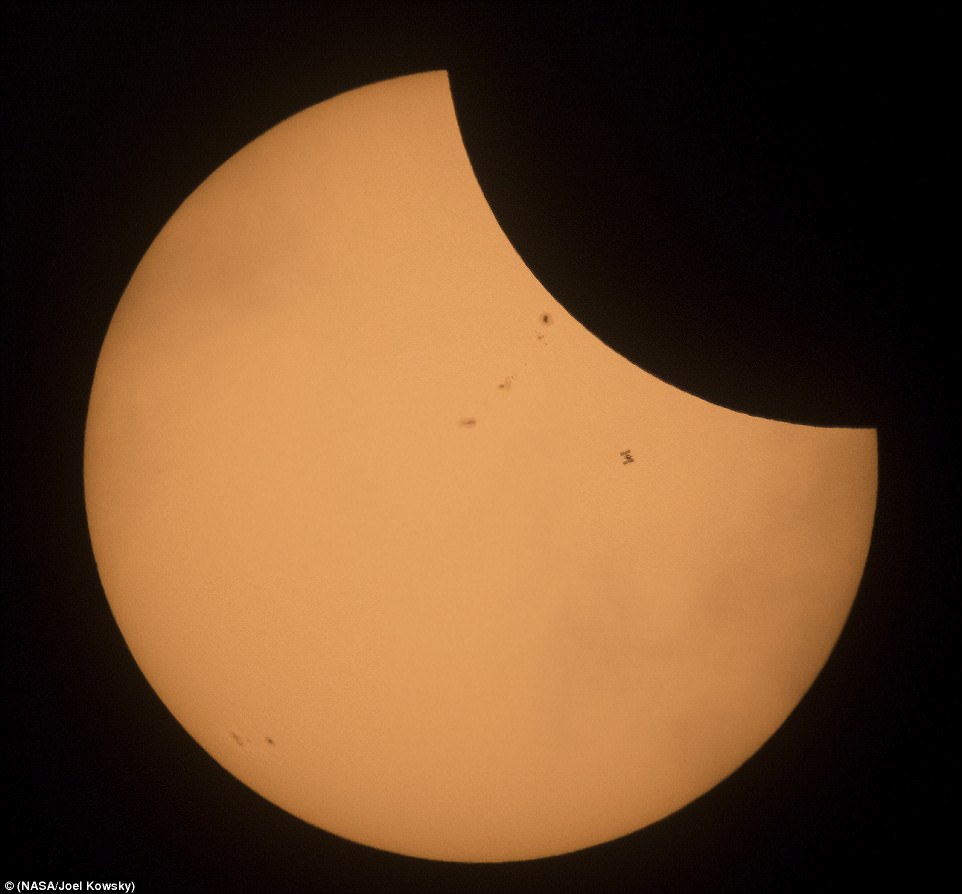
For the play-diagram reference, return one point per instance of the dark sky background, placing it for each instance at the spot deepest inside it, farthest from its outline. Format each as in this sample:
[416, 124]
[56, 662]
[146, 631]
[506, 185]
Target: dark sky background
[750, 205]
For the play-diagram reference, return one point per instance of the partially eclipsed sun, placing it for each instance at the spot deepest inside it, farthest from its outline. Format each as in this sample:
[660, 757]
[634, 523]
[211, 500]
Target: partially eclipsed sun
[408, 550]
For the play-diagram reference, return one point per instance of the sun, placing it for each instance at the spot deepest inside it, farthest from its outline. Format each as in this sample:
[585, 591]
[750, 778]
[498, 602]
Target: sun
[406, 548]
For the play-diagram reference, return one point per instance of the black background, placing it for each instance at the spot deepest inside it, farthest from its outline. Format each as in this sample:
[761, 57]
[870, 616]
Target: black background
[752, 205]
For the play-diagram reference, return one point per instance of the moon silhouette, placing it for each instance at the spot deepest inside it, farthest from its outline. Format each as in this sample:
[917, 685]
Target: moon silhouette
[407, 549]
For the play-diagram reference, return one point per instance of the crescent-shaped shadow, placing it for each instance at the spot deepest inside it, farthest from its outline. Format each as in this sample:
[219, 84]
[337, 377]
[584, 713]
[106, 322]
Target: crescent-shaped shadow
[662, 252]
